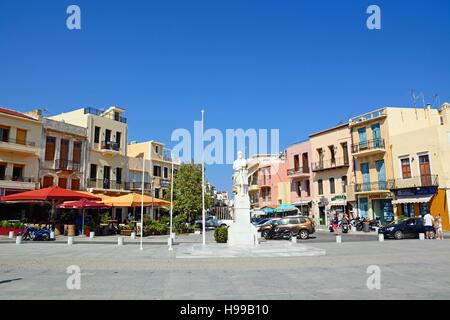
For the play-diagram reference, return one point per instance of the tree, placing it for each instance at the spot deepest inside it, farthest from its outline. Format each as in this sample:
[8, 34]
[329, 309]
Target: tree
[187, 197]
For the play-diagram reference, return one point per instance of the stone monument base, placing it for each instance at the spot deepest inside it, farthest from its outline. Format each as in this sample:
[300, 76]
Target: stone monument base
[242, 235]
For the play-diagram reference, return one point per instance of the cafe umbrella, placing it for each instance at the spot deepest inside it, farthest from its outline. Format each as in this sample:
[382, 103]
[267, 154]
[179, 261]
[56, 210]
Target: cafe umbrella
[82, 205]
[51, 195]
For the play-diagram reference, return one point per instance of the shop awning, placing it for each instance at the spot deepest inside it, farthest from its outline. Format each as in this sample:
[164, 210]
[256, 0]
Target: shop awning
[302, 203]
[415, 199]
[340, 202]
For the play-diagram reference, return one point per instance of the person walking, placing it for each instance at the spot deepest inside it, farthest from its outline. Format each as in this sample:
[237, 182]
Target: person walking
[429, 223]
[438, 223]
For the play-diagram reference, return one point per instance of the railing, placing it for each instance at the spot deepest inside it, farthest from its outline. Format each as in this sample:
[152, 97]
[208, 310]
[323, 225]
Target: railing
[134, 185]
[19, 141]
[372, 186]
[18, 179]
[414, 182]
[264, 182]
[330, 164]
[368, 116]
[368, 145]
[100, 113]
[107, 184]
[110, 145]
[300, 170]
[62, 164]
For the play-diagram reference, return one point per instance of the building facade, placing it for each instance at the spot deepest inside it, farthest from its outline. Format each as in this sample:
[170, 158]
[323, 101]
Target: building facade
[63, 155]
[299, 172]
[332, 172]
[20, 137]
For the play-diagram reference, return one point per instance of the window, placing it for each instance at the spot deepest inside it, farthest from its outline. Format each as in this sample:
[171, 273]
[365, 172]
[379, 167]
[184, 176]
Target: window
[119, 175]
[157, 149]
[76, 152]
[50, 149]
[157, 171]
[308, 188]
[424, 208]
[157, 193]
[118, 138]
[21, 136]
[332, 153]
[64, 150]
[93, 172]
[17, 173]
[345, 152]
[344, 184]
[296, 163]
[2, 171]
[97, 135]
[299, 188]
[406, 168]
[4, 134]
[48, 182]
[75, 184]
[62, 183]
[293, 221]
[320, 185]
[332, 186]
[166, 173]
[283, 222]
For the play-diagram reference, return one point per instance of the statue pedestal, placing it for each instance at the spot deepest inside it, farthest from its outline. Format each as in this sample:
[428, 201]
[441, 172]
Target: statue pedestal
[242, 232]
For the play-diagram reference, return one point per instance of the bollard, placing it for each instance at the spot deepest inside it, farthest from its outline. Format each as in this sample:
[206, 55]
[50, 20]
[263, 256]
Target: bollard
[259, 235]
[18, 239]
[70, 241]
[338, 239]
[422, 236]
[173, 236]
[294, 240]
[52, 234]
[11, 235]
[380, 237]
[120, 241]
[169, 241]
[353, 228]
[91, 235]
[133, 235]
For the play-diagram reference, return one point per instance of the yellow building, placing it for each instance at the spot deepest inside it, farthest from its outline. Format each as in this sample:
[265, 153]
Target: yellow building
[420, 147]
[107, 135]
[20, 137]
[332, 172]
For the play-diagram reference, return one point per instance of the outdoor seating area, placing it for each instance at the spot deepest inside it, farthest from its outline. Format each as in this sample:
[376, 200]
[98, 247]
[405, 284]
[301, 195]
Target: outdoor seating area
[74, 213]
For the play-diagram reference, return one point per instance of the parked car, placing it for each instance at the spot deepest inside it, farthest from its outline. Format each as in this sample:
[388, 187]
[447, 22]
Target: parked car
[258, 223]
[299, 226]
[210, 223]
[407, 228]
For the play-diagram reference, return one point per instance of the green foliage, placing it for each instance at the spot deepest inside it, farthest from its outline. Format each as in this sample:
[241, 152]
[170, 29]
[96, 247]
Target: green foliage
[221, 234]
[68, 217]
[188, 191]
[105, 217]
[5, 224]
[155, 228]
[18, 225]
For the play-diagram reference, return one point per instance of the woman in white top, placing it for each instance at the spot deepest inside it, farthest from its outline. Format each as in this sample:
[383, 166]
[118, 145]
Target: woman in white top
[439, 235]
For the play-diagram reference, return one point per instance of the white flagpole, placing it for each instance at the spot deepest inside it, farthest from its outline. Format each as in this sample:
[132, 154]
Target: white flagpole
[203, 182]
[142, 200]
[171, 207]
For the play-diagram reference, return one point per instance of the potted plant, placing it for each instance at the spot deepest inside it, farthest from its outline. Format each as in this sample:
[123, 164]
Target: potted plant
[6, 227]
[68, 218]
[126, 229]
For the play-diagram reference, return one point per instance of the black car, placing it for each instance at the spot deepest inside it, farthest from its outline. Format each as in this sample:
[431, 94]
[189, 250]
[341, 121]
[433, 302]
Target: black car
[407, 228]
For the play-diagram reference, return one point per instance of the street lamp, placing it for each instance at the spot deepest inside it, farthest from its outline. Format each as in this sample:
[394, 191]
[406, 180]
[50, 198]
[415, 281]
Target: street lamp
[142, 200]
[171, 205]
[203, 182]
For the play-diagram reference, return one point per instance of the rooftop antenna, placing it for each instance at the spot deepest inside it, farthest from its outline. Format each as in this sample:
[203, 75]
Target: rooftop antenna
[437, 100]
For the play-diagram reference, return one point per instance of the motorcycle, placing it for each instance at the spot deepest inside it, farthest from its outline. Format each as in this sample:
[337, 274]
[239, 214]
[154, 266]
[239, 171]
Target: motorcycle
[276, 233]
[33, 234]
[344, 227]
[375, 224]
[358, 223]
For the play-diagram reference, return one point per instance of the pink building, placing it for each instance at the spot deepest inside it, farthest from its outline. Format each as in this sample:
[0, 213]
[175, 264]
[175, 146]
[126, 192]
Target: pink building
[299, 173]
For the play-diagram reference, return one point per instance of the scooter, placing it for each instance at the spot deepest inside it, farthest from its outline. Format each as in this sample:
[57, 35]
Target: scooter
[344, 227]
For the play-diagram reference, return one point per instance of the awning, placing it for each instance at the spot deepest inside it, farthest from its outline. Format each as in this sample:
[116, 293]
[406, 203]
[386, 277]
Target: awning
[340, 202]
[302, 203]
[415, 199]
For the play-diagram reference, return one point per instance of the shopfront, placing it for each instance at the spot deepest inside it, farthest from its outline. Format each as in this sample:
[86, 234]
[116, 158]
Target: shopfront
[383, 209]
[414, 202]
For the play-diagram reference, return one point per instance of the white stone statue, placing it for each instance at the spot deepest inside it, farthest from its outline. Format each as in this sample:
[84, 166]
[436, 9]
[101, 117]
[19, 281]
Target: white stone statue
[240, 176]
[241, 232]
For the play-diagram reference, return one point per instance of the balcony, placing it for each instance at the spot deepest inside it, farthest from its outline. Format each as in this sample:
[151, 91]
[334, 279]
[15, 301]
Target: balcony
[105, 184]
[368, 117]
[414, 182]
[265, 183]
[100, 113]
[330, 164]
[67, 165]
[301, 172]
[110, 147]
[23, 183]
[19, 146]
[138, 185]
[369, 147]
[372, 187]
[253, 188]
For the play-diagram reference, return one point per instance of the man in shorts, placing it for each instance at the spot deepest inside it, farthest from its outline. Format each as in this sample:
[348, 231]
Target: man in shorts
[429, 223]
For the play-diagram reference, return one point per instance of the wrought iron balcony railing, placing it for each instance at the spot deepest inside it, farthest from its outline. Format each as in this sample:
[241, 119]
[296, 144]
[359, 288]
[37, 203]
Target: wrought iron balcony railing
[330, 164]
[368, 145]
[17, 178]
[110, 145]
[19, 141]
[414, 182]
[372, 186]
[62, 164]
[107, 184]
[297, 171]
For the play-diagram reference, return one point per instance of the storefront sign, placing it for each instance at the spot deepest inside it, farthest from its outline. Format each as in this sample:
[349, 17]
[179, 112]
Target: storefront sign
[339, 197]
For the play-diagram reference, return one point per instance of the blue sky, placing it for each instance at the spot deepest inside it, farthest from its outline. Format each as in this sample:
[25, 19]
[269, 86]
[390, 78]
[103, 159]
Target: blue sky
[300, 66]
